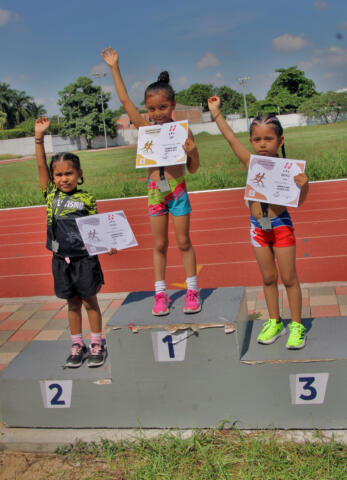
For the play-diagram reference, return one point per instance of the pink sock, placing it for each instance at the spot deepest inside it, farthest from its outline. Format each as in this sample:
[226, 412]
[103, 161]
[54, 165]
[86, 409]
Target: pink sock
[95, 338]
[77, 339]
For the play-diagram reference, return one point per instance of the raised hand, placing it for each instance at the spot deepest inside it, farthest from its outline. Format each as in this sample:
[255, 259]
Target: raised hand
[41, 126]
[213, 104]
[110, 57]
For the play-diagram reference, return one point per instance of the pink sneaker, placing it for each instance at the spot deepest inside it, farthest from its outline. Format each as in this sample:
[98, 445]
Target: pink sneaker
[162, 303]
[192, 302]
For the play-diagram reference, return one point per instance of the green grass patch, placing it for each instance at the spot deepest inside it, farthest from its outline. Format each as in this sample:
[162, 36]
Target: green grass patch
[213, 455]
[8, 156]
[112, 174]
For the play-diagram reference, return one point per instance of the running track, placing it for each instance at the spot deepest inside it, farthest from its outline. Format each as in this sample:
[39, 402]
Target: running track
[219, 232]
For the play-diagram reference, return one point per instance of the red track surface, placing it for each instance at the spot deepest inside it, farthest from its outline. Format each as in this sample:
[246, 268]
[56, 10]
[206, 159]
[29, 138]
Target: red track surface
[219, 232]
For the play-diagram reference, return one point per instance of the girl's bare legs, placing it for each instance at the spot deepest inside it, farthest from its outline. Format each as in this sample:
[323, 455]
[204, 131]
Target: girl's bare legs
[94, 314]
[181, 226]
[75, 315]
[287, 265]
[159, 226]
[266, 261]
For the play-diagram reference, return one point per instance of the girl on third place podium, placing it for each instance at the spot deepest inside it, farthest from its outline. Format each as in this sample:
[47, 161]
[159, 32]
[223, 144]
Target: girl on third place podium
[272, 231]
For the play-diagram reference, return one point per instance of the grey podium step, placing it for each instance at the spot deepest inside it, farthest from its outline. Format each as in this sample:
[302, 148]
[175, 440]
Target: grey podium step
[183, 371]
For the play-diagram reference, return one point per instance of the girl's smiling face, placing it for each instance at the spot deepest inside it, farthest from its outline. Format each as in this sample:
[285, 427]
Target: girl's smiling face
[159, 107]
[265, 141]
[65, 176]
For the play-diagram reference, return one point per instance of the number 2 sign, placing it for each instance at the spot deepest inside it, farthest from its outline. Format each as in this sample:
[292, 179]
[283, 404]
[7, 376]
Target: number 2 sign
[56, 394]
[308, 388]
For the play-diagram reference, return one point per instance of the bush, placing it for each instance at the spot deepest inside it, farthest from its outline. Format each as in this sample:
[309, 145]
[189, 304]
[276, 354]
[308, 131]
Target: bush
[12, 133]
[28, 126]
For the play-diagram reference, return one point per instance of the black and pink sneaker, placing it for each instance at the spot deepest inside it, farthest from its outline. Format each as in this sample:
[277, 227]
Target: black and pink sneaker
[96, 355]
[77, 356]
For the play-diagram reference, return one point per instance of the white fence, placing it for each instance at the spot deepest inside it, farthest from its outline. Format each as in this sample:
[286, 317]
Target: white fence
[54, 143]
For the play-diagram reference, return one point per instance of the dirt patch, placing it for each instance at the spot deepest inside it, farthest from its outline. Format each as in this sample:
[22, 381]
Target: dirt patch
[43, 466]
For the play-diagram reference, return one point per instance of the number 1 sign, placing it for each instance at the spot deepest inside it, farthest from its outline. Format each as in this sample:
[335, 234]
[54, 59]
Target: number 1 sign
[169, 347]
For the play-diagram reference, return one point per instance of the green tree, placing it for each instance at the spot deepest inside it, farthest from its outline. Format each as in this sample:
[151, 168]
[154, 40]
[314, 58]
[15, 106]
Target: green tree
[290, 89]
[231, 100]
[327, 106]
[21, 106]
[81, 108]
[18, 105]
[196, 94]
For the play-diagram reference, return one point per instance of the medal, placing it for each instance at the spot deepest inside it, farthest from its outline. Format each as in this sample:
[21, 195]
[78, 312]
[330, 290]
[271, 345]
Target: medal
[163, 185]
[55, 246]
[265, 223]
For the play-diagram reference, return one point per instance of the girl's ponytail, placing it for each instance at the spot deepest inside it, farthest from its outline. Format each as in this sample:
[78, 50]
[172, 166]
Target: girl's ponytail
[163, 83]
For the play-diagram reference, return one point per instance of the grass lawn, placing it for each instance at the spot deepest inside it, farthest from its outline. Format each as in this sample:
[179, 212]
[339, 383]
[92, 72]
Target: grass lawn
[206, 455]
[8, 156]
[111, 174]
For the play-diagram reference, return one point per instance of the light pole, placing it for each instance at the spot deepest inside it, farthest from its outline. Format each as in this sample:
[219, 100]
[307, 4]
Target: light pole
[243, 82]
[99, 75]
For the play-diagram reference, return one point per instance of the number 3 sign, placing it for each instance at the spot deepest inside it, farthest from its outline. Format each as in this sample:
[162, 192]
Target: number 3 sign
[308, 388]
[56, 394]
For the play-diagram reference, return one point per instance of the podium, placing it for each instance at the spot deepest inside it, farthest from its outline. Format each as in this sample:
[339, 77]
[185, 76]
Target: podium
[184, 371]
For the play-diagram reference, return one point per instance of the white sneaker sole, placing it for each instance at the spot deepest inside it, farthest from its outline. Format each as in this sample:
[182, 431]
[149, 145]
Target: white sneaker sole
[273, 339]
[291, 347]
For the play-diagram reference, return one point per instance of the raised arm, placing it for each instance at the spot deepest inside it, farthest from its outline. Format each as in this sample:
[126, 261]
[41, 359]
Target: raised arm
[238, 148]
[111, 59]
[41, 127]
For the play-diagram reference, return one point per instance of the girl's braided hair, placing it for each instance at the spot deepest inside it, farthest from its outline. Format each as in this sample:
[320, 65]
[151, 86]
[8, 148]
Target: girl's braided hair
[163, 83]
[66, 156]
[269, 119]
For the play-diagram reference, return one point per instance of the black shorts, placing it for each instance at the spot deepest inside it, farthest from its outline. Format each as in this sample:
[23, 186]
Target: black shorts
[81, 277]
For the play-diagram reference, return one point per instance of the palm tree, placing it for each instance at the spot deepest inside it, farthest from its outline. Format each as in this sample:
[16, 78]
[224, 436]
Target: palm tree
[37, 110]
[21, 105]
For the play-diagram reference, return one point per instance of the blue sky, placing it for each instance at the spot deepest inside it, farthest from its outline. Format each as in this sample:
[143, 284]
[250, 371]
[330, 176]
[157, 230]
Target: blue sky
[45, 45]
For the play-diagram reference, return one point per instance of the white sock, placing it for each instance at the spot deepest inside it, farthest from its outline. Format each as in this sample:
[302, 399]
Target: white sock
[160, 286]
[192, 283]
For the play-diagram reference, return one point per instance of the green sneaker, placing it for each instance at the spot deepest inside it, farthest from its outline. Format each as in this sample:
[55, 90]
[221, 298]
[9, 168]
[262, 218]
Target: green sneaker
[297, 338]
[271, 331]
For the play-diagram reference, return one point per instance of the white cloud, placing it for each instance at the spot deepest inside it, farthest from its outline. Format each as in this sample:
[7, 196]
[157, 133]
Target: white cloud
[218, 79]
[207, 60]
[136, 85]
[99, 68]
[330, 56]
[181, 82]
[320, 4]
[6, 16]
[289, 43]
[108, 88]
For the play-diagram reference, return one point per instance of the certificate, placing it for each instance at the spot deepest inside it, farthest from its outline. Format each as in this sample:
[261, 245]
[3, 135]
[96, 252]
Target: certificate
[104, 231]
[162, 145]
[271, 180]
